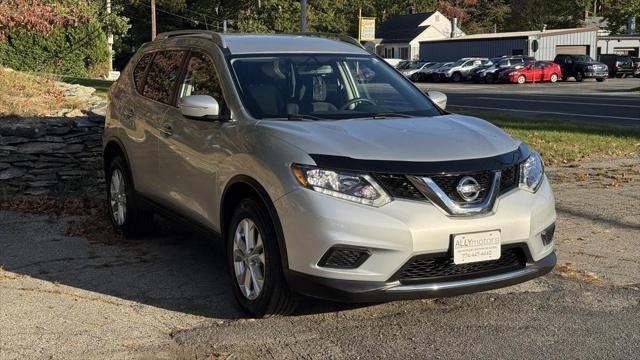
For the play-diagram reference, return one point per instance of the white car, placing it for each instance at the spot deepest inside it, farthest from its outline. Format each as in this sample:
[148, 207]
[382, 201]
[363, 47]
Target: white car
[459, 70]
[324, 172]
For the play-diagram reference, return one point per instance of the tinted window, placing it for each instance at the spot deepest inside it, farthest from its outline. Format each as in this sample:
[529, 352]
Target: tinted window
[201, 79]
[162, 75]
[138, 71]
[325, 86]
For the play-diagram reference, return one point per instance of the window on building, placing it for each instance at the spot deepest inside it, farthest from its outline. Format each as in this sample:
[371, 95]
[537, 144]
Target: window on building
[404, 53]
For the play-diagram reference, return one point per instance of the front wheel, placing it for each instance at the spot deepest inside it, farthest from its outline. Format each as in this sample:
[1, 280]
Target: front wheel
[553, 78]
[579, 77]
[254, 262]
[600, 79]
[457, 77]
[489, 79]
[522, 79]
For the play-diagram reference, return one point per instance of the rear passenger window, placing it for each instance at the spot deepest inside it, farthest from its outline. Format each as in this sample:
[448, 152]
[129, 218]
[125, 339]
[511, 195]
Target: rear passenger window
[138, 71]
[162, 75]
[201, 79]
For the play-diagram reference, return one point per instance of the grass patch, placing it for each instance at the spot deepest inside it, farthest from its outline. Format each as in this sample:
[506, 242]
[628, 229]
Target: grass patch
[101, 86]
[566, 142]
[23, 94]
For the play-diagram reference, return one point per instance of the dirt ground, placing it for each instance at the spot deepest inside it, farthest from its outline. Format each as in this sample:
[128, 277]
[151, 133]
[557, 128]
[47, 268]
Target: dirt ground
[70, 289]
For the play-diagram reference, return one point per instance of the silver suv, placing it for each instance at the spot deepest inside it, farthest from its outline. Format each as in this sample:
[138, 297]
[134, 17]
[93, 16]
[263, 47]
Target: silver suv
[325, 172]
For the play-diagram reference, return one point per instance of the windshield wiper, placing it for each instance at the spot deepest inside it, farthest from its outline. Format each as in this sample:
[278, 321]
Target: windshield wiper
[382, 115]
[297, 117]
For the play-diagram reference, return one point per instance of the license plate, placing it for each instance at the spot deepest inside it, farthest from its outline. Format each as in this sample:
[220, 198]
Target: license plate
[474, 247]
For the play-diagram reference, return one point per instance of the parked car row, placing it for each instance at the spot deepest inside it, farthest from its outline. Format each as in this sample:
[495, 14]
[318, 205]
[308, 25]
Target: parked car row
[520, 69]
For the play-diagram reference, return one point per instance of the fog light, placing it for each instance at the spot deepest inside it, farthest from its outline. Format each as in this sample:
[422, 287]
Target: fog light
[547, 234]
[344, 257]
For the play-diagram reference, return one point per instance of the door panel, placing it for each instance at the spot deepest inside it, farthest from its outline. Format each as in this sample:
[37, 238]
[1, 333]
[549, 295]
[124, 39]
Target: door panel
[192, 154]
[158, 90]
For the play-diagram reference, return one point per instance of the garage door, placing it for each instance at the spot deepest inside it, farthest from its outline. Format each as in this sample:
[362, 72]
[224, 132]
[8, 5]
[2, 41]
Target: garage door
[572, 49]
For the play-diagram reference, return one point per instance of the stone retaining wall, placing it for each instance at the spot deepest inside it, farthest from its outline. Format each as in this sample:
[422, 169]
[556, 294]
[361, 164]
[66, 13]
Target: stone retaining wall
[51, 156]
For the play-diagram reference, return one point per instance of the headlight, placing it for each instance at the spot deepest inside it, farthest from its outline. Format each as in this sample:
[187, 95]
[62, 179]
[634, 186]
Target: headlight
[531, 172]
[513, 73]
[361, 189]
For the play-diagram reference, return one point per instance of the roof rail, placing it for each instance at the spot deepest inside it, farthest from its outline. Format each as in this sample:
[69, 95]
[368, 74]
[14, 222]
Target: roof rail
[216, 37]
[343, 38]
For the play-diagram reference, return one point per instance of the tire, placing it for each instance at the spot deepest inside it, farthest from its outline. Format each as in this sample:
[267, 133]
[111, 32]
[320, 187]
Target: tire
[600, 79]
[619, 76]
[456, 77]
[267, 293]
[488, 79]
[553, 78]
[522, 79]
[126, 216]
[579, 77]
[564, 78]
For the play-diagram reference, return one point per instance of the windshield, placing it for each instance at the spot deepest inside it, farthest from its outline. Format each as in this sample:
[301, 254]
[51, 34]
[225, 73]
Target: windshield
[325, 87]
[459, 62]
[414, 65]
[583, 58]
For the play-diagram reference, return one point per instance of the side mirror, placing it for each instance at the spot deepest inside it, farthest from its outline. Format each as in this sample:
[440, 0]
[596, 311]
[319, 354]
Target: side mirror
[202, 107]
[439, 98]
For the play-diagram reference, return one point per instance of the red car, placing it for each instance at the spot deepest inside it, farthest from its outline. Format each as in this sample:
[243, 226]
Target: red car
[538, 71]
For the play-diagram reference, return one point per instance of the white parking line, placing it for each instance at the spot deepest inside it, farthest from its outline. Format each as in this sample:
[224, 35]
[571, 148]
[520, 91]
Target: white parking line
[556, 102]
[544, 112]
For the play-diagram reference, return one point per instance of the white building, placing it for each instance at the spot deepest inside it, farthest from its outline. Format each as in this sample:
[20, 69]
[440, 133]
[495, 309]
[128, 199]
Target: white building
[619, 44]
[400, 36]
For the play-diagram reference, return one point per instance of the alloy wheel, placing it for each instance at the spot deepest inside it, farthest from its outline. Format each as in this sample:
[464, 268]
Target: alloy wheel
[521, 79]
[118, 197]
[553, 78]
[249, 259]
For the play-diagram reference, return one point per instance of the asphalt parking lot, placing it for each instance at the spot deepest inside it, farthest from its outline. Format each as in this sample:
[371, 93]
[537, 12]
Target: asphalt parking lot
[71, 289]
[609, 102]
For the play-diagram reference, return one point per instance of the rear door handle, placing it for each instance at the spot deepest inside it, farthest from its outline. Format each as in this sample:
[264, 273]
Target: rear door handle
[166, 130]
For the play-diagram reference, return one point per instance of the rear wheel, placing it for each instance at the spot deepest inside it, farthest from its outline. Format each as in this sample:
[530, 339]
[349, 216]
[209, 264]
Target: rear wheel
[553, 78]
[600, 79]
[579, 77]
[126, 216]
[489, 79]
[254, 262]
[619, 76]
[522, 79]
[456, 77]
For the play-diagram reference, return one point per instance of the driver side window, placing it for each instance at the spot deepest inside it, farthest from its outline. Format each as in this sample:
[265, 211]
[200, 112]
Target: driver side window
[201, 78]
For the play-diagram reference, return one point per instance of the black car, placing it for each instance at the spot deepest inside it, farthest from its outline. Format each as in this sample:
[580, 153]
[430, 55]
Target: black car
[581, 67]
[489, 73]
[619, 65]
[636, 66]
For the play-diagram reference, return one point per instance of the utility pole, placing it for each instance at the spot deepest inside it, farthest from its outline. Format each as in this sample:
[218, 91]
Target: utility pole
[153, 19]
[303, 15]
[110, 40]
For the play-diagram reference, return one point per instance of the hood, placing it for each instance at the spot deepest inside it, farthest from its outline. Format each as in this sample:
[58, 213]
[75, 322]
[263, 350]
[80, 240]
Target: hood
[439, 138]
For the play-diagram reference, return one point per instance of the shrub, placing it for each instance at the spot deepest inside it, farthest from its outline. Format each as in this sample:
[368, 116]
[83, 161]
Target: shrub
[67, 51]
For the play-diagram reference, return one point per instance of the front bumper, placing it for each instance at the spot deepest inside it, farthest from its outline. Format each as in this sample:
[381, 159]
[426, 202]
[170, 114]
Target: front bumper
[314, 223]
[371, 291]
[596, 74]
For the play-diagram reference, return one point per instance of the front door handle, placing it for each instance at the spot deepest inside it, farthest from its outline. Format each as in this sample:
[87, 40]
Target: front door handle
[166, 130]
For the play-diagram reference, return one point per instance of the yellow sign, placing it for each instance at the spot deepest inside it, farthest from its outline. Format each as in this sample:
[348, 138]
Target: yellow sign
[367, 29]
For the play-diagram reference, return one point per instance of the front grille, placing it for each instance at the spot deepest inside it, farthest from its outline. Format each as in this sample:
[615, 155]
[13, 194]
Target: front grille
[509, 178]
[399, 186]
[430, 268]
[344, 258]
[449, 183]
